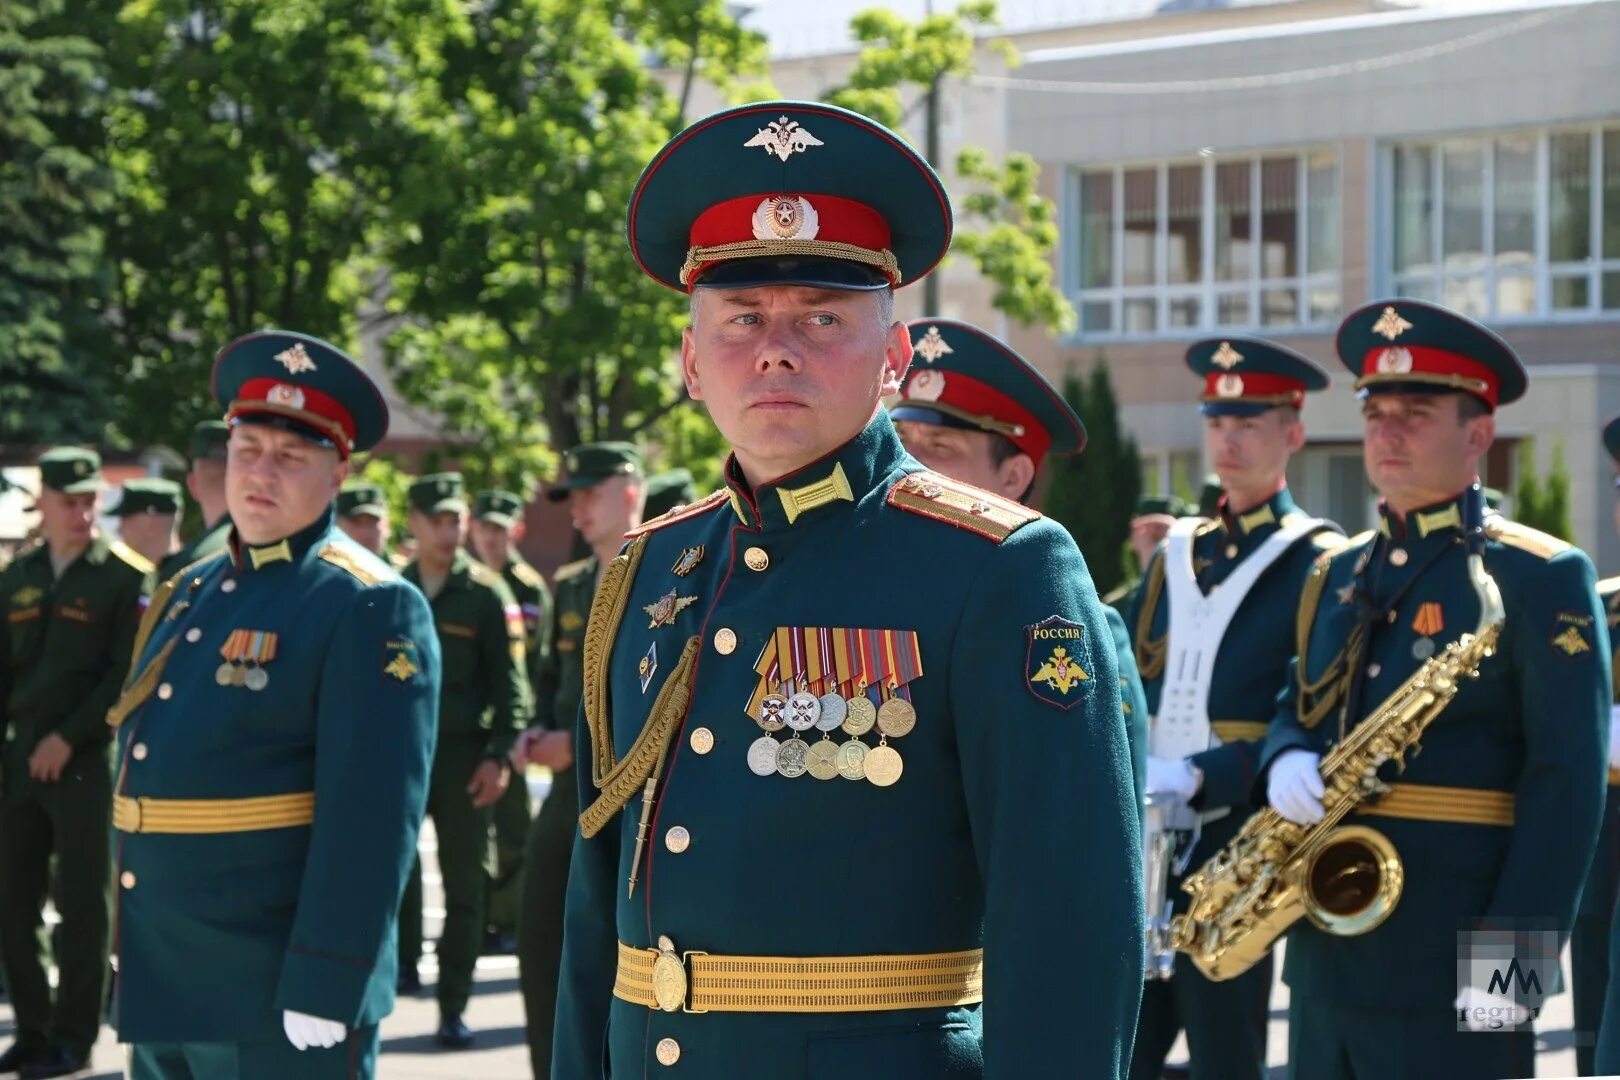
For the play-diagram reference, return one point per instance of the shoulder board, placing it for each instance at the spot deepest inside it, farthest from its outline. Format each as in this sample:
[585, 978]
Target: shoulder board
[528, 575]
[131, 556]
[978, 511]
[1205, 527]
[1609, 586]
[573, 569]
[1326, 538]
[680, 513]
[367, 571]
[1523, 537]
[192, 567]
[482, 574]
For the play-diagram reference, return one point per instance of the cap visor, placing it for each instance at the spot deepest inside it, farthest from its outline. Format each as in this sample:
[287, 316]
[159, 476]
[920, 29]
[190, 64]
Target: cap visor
[496, 517]
[810, 271]
[1234, 408]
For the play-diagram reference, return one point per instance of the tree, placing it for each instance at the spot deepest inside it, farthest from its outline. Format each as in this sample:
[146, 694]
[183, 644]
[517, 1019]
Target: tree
[1005, 227]
[1093, 494]
[52, 187]
[523, 321]
[1542, 502]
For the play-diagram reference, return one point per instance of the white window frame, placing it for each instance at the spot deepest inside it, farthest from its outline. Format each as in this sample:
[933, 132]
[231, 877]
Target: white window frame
[1206, 290]
[1543, 271]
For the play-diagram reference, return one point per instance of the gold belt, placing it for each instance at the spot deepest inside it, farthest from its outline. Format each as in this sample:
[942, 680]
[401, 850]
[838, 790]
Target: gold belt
[1239, 730]
[143, 815]
[1614, 776]
[1431, 802]
[697, 982]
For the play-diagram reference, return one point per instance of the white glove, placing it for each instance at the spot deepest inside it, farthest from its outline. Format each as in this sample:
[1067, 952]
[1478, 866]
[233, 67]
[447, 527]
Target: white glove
[1294, 787]
[1484, 1011]
[305, 1031]
[1171, 776]
[1614, 737]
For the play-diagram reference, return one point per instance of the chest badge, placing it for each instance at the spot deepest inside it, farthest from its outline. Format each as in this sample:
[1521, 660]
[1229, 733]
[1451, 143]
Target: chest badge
[648, 666]
[668, 606]
[688, 561]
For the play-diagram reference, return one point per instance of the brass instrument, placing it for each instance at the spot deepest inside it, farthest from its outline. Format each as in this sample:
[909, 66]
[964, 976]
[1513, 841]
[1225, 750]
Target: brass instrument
[1169, 832]
[1345, 879]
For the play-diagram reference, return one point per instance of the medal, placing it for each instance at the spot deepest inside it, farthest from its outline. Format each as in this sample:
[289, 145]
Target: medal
[803, 710]
[668, 606]
[688, 561]
[762, 756]
[833, 711]
[792, 758]
[851, 760]
[222, 674]
[772, 713]
[883, 765]
[896, 718]
[1422, 648]
[238, 675]
[256, 648]
[256, 678]
[862, 715]
[822, 760]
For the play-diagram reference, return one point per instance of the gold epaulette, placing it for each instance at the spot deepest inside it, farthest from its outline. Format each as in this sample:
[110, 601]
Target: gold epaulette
[1517, 535]
[528, 575]
[978, 511]
[131, 556]
[607, 612]
[1608, 587]
[573, 569]
[347, 559]
[680, 513]
[483, 575]
[1328, 540]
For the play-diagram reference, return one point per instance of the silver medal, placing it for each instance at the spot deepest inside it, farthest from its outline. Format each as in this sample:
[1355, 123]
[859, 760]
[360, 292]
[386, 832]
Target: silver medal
[793, 758]
[833, 710]
[762, 756]
[803, 710]
[1423, 648]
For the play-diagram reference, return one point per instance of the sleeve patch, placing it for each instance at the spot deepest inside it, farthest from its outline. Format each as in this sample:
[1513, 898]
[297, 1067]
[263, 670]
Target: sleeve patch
[1057, 664]
[1572, 633]
[402, 660]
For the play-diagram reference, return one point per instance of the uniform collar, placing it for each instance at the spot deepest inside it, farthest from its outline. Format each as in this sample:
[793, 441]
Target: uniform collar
[827, 485]
[288, 551]
[1259, 519]
[95, 554]
[1444, 517]
[460, 564]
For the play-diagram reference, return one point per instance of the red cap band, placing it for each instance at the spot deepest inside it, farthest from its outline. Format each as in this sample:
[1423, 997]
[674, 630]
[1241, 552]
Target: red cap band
[757, 225]
[1230, 386]
[320, 411]
[969, 399]
[1435, 367]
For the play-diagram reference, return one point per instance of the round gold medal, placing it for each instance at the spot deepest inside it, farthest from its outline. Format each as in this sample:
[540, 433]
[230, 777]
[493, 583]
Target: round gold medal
[222, 674]
[238, 675]
[851, 760]
[822, 761]
[883, 765]
[896, 718]
[862, 715]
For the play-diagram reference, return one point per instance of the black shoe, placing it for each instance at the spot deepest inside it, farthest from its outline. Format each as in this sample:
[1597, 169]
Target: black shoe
[453, 1034]
[18, 1056]
[53, 1062]
[410, 981]
[499, 943]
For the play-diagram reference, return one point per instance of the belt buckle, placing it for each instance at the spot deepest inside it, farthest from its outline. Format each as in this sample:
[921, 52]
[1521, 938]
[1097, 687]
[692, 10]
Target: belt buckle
[672, 983]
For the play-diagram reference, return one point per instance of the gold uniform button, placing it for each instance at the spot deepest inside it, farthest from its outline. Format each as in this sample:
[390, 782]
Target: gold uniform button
[677, 840]
[138, 751]
[669, 1051]
[165, 692]
[127, 879]
[725, 641]
[194, 635]
[702, 740]
[228, 585]
[1398, 557]
[756, 558]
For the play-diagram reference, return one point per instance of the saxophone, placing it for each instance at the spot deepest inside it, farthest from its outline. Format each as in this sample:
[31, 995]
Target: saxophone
[1345, 878]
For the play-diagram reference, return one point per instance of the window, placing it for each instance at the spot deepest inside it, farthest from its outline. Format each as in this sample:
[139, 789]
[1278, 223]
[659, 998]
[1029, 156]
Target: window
[1187, 247]
[1522, 224]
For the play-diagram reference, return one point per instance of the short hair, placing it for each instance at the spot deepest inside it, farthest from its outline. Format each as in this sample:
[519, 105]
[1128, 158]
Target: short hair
[885, 306]
[1470, 407]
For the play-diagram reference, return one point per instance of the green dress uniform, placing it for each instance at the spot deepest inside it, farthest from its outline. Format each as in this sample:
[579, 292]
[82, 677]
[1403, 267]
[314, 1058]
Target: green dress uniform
[860, 800]
[64, 648]
[1589, 942]
[1495, 820]
[484, 701]
[208, 440]
[1226, 1022]
[274, 738]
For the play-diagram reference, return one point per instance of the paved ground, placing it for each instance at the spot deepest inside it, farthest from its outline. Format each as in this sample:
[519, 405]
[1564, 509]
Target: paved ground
[496, 1012]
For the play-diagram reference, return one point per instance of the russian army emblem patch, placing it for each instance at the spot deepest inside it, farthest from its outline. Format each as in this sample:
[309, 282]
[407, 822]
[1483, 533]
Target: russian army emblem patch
[1057, 663]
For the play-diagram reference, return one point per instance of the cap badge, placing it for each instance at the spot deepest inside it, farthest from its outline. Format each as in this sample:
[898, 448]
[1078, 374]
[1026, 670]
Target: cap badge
[931, 346]
[285, 394]
[1394, 361]
[926, 385]
[786, 217]
[1390, 325]
[80, 467]
[1229, 386]
[295, 359]
[784, 138]
[1226, 357]
[572, 462]
[444, 487]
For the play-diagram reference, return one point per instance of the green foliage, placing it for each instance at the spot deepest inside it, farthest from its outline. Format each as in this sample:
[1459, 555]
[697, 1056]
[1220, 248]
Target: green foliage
[1093, 494]
[52, 187]
[1542, 502]
[896, 53]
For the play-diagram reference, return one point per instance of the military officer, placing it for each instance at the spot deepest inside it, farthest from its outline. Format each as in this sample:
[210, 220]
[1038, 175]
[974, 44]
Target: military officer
[497, 529]
[148, 513]
[483, 704]
[72, 605]
[206, 483]
[668, 490]
[1214, 634]
[973, 409]
[1589, 942]
[1149, 526]
[1496, 819]
[605, 488]
[845, 717]
[362, 514]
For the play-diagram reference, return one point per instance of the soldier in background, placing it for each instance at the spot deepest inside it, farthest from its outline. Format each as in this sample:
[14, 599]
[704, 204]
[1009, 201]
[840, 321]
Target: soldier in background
[362, 514]
[206, 482]
[148, 516]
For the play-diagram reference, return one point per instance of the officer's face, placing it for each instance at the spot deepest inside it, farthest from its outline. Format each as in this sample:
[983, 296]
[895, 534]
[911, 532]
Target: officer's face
[277, 483]
[438, 536]
[788, 373]
[367, 530]
[1419, 450]
[67, 520]
[150, 534]
[492, 542]
[967, 456]
[1250, 453]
